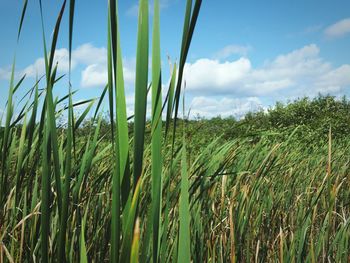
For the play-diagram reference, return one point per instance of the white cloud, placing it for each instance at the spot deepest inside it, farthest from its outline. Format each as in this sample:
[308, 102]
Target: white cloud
[215, 76]
[93, 59]
[85, 54]
[335, 80]
[268, 86]
[232, 50]
[300, 72]
[338, 29]
[225, 107]
[38, 67]
[94, 75]
[89, 54]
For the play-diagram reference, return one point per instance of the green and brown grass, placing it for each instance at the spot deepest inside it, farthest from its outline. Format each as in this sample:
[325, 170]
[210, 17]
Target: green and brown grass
[270, 188]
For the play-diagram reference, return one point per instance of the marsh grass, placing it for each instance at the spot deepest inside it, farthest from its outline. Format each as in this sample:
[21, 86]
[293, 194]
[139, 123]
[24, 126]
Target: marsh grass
[119, 197]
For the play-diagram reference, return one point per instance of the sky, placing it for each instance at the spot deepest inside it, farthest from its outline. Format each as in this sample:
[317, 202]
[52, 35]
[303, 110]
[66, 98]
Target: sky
[245, 55]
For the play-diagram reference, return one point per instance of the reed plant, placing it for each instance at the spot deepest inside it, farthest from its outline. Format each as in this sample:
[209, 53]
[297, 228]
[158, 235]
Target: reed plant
[136, 193]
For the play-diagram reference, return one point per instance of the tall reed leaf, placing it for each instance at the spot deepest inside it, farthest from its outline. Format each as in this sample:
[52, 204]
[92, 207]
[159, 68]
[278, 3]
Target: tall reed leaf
[24, 9]
[140, 88]
[183, 255]
[156, 132]
[68, 150]
[6, 138]
[188, 29]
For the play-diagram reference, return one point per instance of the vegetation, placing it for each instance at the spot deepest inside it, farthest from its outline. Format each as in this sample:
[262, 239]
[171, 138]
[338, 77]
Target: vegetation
[272, 187]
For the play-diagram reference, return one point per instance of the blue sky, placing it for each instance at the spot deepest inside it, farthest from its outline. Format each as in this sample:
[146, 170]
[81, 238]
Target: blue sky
[244, 55]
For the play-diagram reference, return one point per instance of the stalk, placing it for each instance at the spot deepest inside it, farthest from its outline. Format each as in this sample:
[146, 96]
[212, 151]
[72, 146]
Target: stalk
[156, 140]
[140, 89]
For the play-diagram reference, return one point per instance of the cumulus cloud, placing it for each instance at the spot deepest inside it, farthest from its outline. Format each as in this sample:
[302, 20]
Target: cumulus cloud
[93, 75]
[89, 54]
[38, 67]
[225, 106]
[335, 80]
[85, 54]
[92, 59]
[96, 75]
[212, 75]
[338, 29]
[230, 50]
[300, 72]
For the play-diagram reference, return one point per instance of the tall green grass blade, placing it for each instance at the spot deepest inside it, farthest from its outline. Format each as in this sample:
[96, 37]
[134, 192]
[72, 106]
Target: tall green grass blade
[110, 84]
[184, 251]
[122, 124]
[21, 155]
[31, 124]
[83, 251]
[24, 9]
[169, 112]
[81, 118]
[186, 25]
[18, 84]
[140, 89]
[6, 138]
[188, 29]
[50, 144]
[156, 133]
[54, 38]
[45, 196]
[49, 101]
[100, 101]
[86, 162]
[71, 22]
[130, 223]
[66, 185]
[112, 79]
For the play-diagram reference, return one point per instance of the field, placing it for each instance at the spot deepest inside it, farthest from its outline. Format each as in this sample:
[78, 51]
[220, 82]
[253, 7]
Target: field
[272, 187]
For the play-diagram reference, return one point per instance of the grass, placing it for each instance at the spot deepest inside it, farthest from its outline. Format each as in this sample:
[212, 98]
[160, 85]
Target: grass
[160, 191]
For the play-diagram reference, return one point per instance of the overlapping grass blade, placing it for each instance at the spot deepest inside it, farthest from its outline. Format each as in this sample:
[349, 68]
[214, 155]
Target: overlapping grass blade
[83, 251]
[126, 249]
[184, 252]
[24, 9]
[45, 196]
[6, 137]
[188, 29]
[135, 243]
[170, 101]
[122, 124]
[20, 158]
[66, 185]
[156, 133]
[140, 89]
